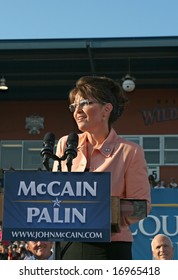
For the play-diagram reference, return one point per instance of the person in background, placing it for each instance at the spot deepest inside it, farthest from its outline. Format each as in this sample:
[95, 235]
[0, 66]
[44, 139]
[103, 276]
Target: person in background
[160, 185]
[162, 247]
[96, 103]
[4, 242]
[172, 184]
[152, 181]
[13, 253]
[40, 250]
[3, 252]
[22, 251]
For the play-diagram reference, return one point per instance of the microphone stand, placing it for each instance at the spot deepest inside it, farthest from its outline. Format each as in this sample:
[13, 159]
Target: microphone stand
[54, 157]
[47, 154]
[57, 251]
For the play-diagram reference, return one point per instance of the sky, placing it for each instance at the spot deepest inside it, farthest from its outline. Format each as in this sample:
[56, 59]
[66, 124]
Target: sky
[61, 19]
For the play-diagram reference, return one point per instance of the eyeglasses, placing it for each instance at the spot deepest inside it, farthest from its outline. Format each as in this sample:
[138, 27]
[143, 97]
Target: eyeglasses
[82, 103]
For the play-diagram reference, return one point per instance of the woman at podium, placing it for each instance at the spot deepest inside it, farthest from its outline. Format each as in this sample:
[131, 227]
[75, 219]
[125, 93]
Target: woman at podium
[96, 103]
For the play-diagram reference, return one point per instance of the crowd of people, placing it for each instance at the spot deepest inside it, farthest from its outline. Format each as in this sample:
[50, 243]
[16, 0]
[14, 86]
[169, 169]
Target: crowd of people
[30, 250]
[13, 250]
[161, 247]
[161, 184]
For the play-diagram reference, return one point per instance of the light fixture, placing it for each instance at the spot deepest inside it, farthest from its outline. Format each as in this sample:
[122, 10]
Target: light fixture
[3, 85]
[128, 82]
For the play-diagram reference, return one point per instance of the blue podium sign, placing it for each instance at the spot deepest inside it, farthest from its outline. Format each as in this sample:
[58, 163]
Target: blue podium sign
[57, 206]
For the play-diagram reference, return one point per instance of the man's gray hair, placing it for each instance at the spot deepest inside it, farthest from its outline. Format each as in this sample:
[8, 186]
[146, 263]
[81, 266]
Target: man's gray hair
[161, 235]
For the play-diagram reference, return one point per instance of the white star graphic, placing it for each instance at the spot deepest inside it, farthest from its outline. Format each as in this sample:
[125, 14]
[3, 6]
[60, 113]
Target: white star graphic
[56, 202]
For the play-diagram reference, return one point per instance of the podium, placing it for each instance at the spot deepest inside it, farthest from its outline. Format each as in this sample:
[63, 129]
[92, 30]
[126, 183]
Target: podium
[56, 206]
[63, 206]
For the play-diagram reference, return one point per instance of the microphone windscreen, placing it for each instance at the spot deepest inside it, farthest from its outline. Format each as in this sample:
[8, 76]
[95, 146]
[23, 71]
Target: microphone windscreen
[49, 138]
[72, 139]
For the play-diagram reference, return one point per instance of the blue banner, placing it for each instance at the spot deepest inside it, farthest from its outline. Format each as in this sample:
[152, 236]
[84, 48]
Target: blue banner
[68, 206]
[163, 218]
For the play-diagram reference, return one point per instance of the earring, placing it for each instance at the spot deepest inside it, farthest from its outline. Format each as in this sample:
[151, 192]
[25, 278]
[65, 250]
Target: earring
[120, 111]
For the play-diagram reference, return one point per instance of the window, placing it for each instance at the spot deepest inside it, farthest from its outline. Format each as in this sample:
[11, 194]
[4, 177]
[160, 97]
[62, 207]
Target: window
[31, 155]
[159, 149]
[20, 155]
[151, 146]
[170, 150]
[25, 155]
[11, 154]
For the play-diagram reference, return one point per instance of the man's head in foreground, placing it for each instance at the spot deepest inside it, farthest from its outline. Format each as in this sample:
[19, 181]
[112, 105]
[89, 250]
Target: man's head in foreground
[162, 247]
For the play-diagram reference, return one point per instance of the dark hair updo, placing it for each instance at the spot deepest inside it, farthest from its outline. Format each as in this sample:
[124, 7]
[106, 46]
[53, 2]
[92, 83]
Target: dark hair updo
[102, 89]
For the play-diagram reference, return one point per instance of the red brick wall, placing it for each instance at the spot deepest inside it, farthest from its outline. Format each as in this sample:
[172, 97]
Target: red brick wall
[158, 106]
[148, 112]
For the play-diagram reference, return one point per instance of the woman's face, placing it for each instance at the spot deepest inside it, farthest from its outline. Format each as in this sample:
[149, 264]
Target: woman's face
[90, 117]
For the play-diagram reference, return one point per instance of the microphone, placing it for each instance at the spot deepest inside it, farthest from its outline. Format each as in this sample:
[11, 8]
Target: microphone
[71, 149]
[47, 150]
